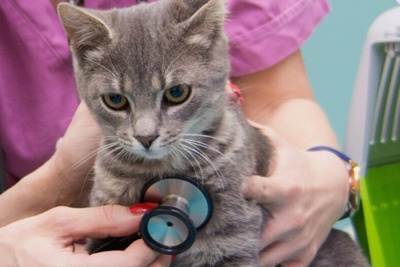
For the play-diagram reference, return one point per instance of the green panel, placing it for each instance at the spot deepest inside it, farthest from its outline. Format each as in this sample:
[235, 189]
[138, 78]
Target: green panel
[380, 193]
[383, 153]
[358, 222]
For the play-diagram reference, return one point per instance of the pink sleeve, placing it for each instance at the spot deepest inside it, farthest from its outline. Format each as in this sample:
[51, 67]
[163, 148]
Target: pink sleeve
[263, 32]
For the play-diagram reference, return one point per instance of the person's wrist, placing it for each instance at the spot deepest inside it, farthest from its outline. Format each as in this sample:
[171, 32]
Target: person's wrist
[353, 179]
[335, 176]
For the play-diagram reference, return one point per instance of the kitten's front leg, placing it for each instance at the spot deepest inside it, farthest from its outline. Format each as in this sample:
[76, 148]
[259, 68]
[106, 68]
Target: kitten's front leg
[109, 190]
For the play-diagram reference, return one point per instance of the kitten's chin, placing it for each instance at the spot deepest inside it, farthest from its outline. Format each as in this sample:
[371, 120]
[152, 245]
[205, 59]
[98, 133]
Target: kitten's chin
[149, 154]
[153, 156]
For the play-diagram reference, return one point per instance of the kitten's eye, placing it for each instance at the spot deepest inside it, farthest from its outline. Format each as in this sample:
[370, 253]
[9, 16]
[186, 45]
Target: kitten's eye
[116, 101]
[177, 94]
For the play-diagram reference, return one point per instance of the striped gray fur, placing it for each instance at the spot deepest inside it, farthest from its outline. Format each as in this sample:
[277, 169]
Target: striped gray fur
[139, 52]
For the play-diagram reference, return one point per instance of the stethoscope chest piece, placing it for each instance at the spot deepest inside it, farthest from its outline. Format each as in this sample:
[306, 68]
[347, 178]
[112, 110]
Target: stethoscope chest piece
[184, 207]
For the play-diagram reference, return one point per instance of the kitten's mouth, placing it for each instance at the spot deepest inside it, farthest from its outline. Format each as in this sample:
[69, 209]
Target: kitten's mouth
[146, 153]
[149, 154]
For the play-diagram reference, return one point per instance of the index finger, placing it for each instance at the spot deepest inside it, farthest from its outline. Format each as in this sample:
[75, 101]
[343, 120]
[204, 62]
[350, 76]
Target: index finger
[96, 222]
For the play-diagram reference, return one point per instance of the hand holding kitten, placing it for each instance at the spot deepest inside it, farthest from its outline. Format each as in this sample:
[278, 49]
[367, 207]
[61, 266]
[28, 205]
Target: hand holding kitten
[298, 227]
[75, 155]
[48, 239]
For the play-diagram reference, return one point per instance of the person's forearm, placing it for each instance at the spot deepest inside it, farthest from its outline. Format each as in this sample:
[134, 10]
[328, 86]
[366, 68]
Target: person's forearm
[301, 122]
[281, 97]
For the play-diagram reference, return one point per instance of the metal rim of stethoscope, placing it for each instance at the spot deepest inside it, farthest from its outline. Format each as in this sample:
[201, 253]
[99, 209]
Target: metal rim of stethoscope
[177, 242]
[185, 206]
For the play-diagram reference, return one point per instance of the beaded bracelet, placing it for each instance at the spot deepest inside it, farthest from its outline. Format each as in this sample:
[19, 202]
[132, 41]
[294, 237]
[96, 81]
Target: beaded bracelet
[354, 177]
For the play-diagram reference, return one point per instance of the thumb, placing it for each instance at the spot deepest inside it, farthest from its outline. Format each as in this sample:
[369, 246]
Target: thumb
[272, 135]
[263, 190]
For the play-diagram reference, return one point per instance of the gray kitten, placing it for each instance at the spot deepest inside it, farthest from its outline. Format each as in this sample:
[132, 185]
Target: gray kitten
[153, 77]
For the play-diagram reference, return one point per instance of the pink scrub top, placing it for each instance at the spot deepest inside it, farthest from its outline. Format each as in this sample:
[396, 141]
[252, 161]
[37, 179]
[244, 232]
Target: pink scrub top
[37, 89]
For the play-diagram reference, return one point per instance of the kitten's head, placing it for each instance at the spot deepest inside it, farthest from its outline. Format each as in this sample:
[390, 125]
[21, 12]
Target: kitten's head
[152, 73]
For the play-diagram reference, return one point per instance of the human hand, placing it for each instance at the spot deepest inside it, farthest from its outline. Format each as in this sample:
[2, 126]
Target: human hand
[63, 180]
[306, 193]
[75, 156]
[48, 239]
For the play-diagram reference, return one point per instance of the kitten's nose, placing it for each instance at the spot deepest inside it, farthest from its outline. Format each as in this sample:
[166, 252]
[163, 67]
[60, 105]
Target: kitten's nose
[146, 141]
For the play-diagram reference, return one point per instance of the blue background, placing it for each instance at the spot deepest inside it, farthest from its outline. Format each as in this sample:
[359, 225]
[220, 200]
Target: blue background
[333, 52]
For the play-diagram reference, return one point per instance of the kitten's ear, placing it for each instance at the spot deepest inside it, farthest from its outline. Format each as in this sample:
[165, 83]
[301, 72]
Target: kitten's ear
[206, 21]
[84, 30]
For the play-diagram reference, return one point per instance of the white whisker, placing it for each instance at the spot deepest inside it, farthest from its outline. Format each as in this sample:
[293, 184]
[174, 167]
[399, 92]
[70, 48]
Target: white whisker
[205, 136]
[88, 157]
[197, 151]
[245, 88]
[188, 150]
[208, 161]
[174, 60]
[115, 75]
[185, 67]
[91, 155]
[109, 152]
[113, 161]
[114, 70]
[207, 146]
[176, 150]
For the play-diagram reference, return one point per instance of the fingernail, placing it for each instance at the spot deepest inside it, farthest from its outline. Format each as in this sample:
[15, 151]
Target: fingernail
[236, 90]
[142, 207]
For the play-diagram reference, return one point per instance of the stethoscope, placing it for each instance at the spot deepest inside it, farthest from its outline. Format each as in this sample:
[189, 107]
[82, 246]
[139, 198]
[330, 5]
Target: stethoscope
[170, 228]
